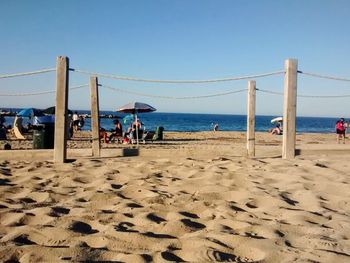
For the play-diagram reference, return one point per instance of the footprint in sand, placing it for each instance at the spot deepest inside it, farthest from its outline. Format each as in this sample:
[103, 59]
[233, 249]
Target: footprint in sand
[27, 200]
[6, 182]
[171, 257]
[192, 224]
[289, 201]
[134, 205]
[236, 208]
[218, 256]
[82, 180]
[116, 186]
[22, 240]
[5, 171]
[160, 236]
[252, 204]
[147, 258]
[58, 211]
[125, 227]
[187, 214]
[82, 228]
[155, 218]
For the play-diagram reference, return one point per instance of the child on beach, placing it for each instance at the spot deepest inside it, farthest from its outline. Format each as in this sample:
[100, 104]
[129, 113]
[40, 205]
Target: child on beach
[340, 130]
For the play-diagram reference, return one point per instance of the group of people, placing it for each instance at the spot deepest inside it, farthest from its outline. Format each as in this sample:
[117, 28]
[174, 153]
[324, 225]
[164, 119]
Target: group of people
[78, 121]
[340, 129]
[118, 134]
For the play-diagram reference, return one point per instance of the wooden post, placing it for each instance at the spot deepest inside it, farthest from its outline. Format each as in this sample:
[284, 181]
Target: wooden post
[251, 118]
[289, 111]
[62, 79]
[95, 121]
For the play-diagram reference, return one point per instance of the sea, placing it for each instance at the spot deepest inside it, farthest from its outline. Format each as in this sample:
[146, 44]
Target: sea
[193, 122]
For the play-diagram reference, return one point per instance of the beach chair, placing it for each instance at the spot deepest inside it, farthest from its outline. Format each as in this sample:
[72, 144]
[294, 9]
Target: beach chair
[147, 136]
[134, 137]
[158, 136]
[18, 128]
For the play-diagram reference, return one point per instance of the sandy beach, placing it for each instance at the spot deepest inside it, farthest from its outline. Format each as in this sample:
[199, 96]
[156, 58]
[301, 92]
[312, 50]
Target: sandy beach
[194, 197]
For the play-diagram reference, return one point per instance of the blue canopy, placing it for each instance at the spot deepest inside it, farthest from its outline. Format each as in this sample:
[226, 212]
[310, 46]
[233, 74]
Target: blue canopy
[30, 112]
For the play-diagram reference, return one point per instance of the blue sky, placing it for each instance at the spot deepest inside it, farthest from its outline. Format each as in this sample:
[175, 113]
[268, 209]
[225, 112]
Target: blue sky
[183, 39]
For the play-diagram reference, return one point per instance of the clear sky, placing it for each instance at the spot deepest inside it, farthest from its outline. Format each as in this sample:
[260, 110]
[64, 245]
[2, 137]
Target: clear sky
[178, 39]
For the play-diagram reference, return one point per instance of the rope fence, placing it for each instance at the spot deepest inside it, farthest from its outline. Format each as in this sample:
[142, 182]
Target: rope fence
[40, 93]
[27, 73]
[171, 97]
[316, 75]
[176, 81]
[111, 76]
[307, 96]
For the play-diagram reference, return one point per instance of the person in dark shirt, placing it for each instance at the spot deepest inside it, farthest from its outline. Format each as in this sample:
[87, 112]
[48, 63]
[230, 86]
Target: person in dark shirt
[117, 132]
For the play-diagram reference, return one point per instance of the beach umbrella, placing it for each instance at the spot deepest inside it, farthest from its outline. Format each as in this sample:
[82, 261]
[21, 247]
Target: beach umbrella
[52, 110]
[134, 108]
[30, 112]
[277, 120]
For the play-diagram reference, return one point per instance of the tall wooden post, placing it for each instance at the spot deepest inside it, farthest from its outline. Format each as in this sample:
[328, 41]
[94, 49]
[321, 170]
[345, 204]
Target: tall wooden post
[62, 79]
[95, 121]
[251, 118]
[289, 111]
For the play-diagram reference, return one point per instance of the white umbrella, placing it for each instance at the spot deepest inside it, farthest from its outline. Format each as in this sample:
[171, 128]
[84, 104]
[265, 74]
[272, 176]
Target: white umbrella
[277, 120]
[134, 108]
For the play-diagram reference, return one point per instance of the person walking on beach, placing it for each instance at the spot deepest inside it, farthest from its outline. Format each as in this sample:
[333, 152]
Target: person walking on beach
[75, 121]
[340, 130]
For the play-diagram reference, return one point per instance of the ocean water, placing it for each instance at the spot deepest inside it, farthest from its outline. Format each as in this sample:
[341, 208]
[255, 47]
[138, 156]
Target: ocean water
[205, 122]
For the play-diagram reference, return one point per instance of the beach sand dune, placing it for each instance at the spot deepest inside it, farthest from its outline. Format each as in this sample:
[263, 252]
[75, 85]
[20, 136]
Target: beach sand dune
[189, 201]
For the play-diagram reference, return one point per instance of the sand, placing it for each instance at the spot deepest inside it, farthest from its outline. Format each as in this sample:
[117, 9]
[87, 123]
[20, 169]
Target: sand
[192, 198]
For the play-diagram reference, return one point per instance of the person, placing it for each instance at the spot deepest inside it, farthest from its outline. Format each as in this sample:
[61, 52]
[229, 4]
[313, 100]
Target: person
[340, 130]
[216, 127]
[81, 122]
[103, 135]
[75, 120]
[137, 124]
[277, 130]
[118, 130]
[2, 120]
[3, 132]
[130, 134]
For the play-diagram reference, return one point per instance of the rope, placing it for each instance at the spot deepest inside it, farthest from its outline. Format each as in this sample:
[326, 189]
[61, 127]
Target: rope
[27, 73]
[307, 96]
[170, 97]
[323, 76]
[175, 81]
[40, 93]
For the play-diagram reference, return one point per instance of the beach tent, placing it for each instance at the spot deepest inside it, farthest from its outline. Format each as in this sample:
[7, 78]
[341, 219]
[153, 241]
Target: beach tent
[134, 108]
[30, 112]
